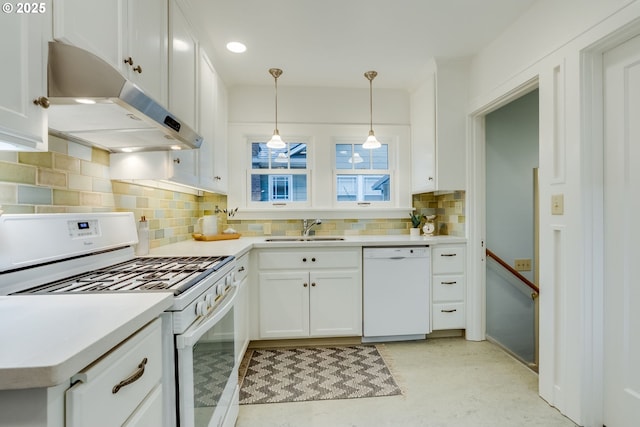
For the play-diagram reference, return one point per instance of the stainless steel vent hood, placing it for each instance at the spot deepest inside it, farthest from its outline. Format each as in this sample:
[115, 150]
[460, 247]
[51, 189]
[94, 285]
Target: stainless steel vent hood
[93, 103]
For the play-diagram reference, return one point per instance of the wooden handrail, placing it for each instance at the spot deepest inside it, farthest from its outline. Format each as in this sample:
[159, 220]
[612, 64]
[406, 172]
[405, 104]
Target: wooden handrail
[513, 271]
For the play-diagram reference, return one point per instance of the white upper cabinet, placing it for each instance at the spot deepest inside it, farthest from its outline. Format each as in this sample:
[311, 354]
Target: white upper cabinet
[183, 67]
[212, 96]
[131, 35]
[23, 123]
[438, 126]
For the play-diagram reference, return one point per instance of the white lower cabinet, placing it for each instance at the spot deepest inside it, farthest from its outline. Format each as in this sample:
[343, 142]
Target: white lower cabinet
[121, 388]
[448, 287]
[310, 293]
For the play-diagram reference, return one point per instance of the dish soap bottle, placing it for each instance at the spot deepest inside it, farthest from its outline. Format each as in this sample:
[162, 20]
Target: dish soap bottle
[143, 237]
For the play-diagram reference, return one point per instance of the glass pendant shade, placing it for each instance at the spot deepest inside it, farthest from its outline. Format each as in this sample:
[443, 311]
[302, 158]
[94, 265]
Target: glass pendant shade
[276, 141]
[371, 143]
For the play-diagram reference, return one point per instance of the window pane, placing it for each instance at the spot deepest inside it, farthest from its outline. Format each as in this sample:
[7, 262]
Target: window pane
[364, 154]
[293, 156]
[298, 155]
[278, 188]
[343, 156]
[380, 157]
[363, 188]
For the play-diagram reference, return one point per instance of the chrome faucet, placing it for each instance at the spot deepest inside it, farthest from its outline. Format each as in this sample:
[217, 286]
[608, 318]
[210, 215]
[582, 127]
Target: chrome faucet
[306, 226]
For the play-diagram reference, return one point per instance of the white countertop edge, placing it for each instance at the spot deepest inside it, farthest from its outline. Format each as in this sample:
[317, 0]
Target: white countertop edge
[238, 247]
[76, 349]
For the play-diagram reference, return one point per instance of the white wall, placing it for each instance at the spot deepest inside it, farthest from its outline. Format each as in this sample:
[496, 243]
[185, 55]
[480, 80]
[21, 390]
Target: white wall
[547, 44]
[256, 104]
[320, 115]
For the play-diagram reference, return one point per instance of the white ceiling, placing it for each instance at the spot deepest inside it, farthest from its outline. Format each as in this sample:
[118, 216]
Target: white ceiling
[331, 43]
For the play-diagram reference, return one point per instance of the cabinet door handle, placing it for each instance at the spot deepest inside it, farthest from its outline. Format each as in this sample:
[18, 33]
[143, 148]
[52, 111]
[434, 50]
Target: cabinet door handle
[133, 378]
[128, 60]
[241, 268]
[138, 69]
[176, 160]
[42, 101]
[448, 283]
[449, 311]
[305, 285]
[448, 254]
[313, 284]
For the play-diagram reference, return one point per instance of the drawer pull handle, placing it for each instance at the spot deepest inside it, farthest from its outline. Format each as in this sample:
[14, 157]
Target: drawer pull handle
[133, 378]
[313, 260]
[304, 260]
[453, 310]
[241, 268]
[448, 254]
[448, 283]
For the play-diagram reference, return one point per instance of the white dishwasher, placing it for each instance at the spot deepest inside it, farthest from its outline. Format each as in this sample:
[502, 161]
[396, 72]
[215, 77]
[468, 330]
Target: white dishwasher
[396, 283]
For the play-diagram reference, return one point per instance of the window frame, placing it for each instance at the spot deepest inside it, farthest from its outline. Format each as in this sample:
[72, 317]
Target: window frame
[390, 171]
[278, 171]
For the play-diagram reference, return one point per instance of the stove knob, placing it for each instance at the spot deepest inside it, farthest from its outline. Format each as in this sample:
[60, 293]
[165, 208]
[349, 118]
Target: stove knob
[201, 308]
[209, 299]
[229, 281]
[220, 288]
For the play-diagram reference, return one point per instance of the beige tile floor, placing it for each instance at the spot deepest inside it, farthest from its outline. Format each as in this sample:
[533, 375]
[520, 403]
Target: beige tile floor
[446, 382]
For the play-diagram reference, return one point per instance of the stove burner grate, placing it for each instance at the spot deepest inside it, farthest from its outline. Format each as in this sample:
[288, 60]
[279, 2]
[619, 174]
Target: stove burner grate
[146, 274]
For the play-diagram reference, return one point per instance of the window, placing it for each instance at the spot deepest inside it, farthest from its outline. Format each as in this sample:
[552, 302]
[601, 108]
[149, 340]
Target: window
[362, 175]
[279, 176]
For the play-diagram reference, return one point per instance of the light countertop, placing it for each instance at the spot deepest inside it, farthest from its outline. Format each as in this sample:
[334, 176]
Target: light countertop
[238, 247]
[48, 338]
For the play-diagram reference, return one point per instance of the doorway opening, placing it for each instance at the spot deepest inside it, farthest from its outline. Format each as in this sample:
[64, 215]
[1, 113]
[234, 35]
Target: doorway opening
[511, 162]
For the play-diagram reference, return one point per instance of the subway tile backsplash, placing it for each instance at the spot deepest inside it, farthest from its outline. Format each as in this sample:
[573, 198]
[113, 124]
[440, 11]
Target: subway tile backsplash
[74, 178]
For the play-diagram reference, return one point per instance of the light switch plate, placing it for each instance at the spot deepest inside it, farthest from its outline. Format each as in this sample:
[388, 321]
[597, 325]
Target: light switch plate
[557, 204]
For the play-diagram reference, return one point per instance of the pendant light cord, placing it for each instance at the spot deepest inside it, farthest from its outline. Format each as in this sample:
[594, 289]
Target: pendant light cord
[371, 104]
[276, 79]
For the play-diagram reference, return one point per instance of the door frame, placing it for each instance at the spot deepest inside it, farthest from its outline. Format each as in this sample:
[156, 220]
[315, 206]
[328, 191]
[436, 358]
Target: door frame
[592, 167]
[476, 197]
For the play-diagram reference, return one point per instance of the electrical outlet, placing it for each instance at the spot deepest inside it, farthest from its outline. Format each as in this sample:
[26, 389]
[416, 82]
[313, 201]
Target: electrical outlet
[266, 228]
[522, 264]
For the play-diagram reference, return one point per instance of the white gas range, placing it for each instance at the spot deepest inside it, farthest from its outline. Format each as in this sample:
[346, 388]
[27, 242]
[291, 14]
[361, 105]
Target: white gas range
[49, 254]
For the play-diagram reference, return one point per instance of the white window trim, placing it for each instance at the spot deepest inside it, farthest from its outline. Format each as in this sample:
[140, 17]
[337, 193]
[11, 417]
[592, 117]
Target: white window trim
[392, 148]
[277, 204]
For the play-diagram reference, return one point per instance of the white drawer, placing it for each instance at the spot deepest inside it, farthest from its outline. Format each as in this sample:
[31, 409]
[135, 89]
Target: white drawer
[242, 268]
[309, 259]
[448, 288]
[92, 402]
[448, 316]
[448, 259]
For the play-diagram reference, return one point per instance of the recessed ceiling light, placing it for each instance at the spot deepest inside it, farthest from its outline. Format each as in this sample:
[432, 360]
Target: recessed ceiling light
[236, 47]
[127, 150]
[176, 147]
[85, 101]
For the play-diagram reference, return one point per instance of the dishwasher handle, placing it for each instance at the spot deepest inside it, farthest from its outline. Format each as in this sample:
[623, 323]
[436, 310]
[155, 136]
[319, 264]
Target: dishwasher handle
[398, 257]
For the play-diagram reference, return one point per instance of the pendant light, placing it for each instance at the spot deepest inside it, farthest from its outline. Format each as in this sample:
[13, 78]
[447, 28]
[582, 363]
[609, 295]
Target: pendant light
[371, 142]
[276, 141]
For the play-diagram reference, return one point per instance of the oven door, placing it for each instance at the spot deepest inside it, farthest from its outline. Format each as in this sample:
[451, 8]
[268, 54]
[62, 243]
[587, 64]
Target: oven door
[207, 370]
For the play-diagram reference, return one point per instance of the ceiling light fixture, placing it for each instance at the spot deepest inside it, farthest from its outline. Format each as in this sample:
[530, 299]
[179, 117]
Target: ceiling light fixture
[236, 47]
[371, 142]
[276, 141]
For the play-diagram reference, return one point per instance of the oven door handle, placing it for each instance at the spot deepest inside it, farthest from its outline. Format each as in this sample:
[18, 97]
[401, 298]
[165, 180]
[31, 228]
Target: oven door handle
[196, 331]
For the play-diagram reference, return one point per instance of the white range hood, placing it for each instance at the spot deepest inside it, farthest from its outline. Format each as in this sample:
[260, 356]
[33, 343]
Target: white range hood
[93, 103]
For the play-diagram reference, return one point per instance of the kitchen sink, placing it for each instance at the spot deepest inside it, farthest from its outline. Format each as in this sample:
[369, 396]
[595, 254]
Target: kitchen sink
[305, 239]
